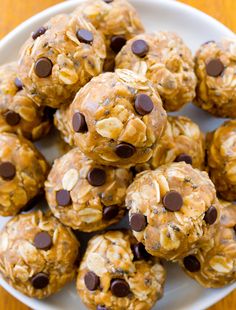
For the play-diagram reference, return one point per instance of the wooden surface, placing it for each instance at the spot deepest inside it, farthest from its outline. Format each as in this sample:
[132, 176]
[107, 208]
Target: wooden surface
[13, 12]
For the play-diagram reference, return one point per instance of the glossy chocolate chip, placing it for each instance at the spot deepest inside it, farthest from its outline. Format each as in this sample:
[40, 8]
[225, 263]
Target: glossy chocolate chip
[99, 307]
[18, 83]
[110, 212]
[184, 157]
[79, 123]
[120, 288]
[191, 263]
[40, 280]
[125, 150]
[63, 198]
[96, 177]
[40, 31]
[214, 67]
[43, 67]
[7, 171]
[140, 252]
[140, 48]
[117, 42]
[137, 222]
[84, 36]
[91, 281]
[173, 201]
[43, 241]
[210, 215]
[143, 104]
[12, 118]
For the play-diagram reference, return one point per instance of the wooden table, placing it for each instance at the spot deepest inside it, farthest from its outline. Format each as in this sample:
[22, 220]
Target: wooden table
[13, 12]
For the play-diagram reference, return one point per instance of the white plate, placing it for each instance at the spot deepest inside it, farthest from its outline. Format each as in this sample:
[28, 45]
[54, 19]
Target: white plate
[181, 293]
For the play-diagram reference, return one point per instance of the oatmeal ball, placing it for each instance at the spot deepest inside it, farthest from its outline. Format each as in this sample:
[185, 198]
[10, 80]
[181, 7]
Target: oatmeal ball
[116, 119]
[221, 146]
[18, 113]
[117, 273]
[117, 20]
[85, 195]
[37, 254]
[163, 58]
[215, 66]
[214, 265]
[23, 171]
[60, 58]
[171, 208]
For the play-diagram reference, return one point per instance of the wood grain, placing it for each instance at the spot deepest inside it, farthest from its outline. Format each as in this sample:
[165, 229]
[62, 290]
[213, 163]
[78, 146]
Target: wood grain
[13, 12]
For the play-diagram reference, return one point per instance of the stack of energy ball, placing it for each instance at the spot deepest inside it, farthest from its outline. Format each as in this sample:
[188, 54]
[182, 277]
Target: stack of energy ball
[112, 84]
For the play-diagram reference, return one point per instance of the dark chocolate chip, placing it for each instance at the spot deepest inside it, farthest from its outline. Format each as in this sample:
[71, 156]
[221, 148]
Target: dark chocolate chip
[91, 281]
[40, 31]
[40, 280]
[143, 104]
[12, 118]
[79, 123]
[140, 48]
[184, 157]
[173, 201]
[108, 1]
[99, 307]
[120, 288]
[110, 212]
[63, 198]
[43, 67]
[43, 241]
[140, 252]
[210, 215]
[137, 221]
[125, 150]
[7, 171]
[18, 83]
[191, 263]
[96, 177]
[214, 67]
[84, 36]
[235, 227]
[117, 42]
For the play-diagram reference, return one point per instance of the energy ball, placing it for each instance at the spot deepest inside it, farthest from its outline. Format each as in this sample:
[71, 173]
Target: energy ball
[215, 65]
[117, 273]
[117, 20]
[221, 147]
[116, 119]
[171, 208]
[60, 58]
[163, 58]
[214, 265]
[85, 195]
[18, 113]
[37, 254]
[23, 171]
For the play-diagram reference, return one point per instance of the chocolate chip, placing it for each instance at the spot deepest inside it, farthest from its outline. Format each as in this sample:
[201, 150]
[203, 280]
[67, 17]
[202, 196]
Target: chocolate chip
[91, 281]
[84, 36]
[210, 215]
[140, 252]
[143, 104]
[96, 177]
[140, 48]
[120, 288]
[110, 212]
[12, 118]
[18, 83]
[235, 227]
[173, 201]
[99, 307]
[40, 31]
[137, 222]
[117, 42]
[43, 67]
[108, 1]
[79, 123]
[43, 241]
[40, 280]
[207, 42]
[191, 263]
[7, 171]
[125, 150]
[214, 67]
[184, 157]
[63, 198]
